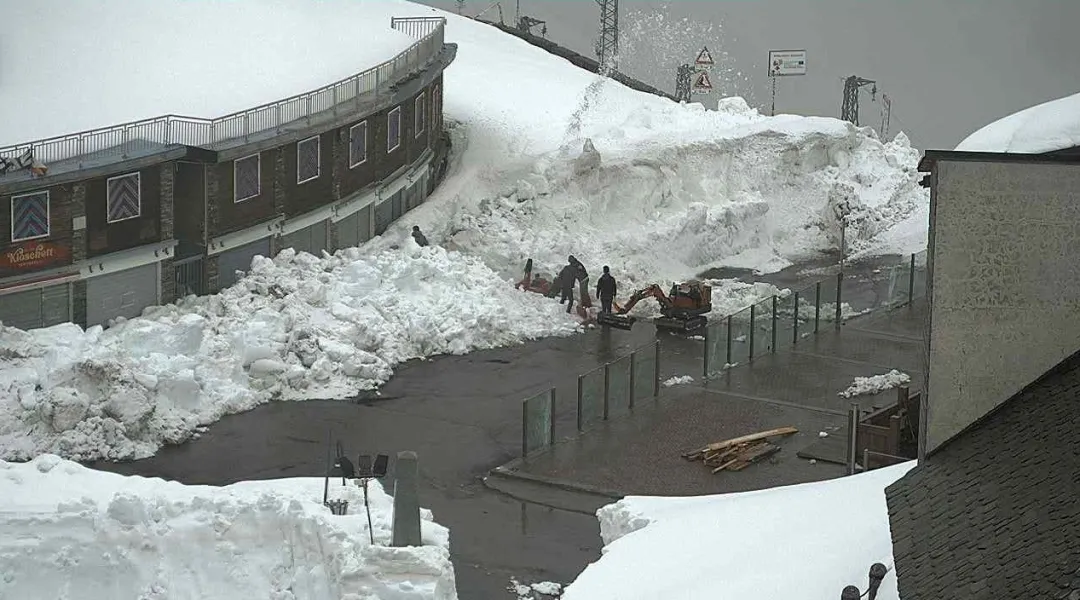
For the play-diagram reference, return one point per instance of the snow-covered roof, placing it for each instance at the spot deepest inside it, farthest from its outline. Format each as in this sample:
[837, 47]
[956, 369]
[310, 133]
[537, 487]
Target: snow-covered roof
[73, 65]
[1046, 127]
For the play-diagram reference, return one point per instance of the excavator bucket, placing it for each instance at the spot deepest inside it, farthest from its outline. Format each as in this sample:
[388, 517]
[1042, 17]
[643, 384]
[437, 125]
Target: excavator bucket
[616, 320]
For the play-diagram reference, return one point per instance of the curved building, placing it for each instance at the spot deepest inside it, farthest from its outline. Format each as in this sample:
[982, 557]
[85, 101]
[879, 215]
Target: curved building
[104, 223]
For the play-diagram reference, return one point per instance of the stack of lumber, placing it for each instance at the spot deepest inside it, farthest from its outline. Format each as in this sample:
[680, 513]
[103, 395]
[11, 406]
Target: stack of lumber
[738, 453]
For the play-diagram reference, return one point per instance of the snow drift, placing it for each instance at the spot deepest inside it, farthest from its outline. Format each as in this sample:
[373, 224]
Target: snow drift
[1045, 127]
[74, 532]
[297, 327]
[801, 541]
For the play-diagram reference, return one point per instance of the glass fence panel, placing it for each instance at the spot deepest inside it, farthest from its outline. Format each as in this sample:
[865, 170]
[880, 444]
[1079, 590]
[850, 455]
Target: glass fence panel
[619, 387]
[716, 347]
[806, 318]
[785, 319]
[762, 341]
[739, 324]
[590, 398]
[537, 429]
[645, 372]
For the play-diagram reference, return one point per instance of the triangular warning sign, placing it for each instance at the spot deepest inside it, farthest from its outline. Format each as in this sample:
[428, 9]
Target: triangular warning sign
[704, 57]
[703, 82]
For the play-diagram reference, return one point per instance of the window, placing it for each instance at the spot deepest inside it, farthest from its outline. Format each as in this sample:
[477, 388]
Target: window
[247, 173]
[124, 197]
[393, 130]
[307, 160]
[418, 115]
[30, 216]
[358, 144]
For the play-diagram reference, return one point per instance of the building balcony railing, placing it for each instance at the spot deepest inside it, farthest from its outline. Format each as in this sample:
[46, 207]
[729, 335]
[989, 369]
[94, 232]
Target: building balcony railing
[119, 142]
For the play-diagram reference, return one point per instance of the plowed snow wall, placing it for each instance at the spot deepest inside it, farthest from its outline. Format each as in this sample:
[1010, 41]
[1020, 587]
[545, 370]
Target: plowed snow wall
[1004, 284]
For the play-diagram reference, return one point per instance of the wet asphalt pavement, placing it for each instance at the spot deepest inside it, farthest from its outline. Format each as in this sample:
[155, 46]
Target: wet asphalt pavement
[462, 415]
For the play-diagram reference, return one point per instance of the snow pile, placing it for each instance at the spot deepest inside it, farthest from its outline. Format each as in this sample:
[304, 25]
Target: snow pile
[802, 541]
[868, 386]
[192, 38]
[535, 591]
[678, 380]
[74, 532]
[297, 327]
[1046, 127]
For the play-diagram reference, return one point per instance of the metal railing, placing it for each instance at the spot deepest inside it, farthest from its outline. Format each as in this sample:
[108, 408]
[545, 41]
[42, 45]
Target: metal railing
[606, 392]
[784, 319]
[129, 138]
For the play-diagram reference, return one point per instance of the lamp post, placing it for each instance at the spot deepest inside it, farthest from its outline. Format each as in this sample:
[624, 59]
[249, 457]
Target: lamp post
[842, 210]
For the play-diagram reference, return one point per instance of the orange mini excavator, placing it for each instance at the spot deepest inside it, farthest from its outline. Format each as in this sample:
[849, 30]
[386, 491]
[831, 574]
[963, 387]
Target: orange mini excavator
[682, 309]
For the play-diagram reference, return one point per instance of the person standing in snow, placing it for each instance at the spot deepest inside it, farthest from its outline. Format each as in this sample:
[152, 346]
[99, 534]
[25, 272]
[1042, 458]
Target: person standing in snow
[566, 281]
[421, 239]
[606, 288]
[581, 276]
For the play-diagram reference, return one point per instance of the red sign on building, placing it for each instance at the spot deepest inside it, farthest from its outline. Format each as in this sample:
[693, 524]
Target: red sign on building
[33, 255]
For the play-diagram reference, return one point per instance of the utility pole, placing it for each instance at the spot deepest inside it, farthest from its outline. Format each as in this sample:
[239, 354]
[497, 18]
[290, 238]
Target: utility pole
[683, 77]
[607, 47]
[886, 112]
[849, 110]
[772, 111]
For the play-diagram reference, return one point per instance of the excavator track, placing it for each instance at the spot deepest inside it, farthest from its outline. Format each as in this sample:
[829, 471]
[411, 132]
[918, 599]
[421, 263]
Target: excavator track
[686, 325]
[616, 320]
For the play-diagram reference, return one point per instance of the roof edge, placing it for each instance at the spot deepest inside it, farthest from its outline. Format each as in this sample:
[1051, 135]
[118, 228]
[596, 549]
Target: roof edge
[931, 157]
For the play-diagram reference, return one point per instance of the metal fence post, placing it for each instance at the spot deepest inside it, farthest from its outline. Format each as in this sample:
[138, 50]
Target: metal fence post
[911, 282]
[607, 390]
[705, 355]
[524, 428]
[551, 417]
[865, 460]
[656, 370]
[853, 437]
[753, 314]
[580, 412]
[817, 306]
[774, 304]
[839, 296]
[795, 323]
[633, 377]
[727, 359]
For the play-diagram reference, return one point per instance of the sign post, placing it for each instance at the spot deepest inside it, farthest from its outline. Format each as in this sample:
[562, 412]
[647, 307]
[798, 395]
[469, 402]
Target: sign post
[785, 63]
[702, 64]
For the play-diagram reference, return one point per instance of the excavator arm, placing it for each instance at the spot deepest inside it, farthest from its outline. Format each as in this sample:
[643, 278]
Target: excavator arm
[652, 291]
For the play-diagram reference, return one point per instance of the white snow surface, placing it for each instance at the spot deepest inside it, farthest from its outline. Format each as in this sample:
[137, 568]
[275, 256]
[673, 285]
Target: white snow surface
[72, 532]
[222, 57]
[1046, 127]
[297, 327]
[797, 542]
[678, 380]
[875, 384]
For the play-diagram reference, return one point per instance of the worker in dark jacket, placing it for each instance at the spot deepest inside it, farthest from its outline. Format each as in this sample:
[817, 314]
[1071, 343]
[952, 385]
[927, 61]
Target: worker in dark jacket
[581, 276]
[566, 281]
[421, 239]
[605, 290]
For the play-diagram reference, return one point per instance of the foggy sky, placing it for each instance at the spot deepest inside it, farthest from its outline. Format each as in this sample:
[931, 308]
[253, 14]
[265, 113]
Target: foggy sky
[949, 66]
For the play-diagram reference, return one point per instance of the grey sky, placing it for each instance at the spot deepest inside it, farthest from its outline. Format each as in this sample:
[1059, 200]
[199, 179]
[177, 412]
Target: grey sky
[949, 66]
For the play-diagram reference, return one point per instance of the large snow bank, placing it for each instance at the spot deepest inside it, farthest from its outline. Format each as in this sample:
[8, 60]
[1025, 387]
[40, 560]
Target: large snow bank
[875, 384]
[1045, 127]
[798, 542]
[561, 161]
[72, 65]
[297, 327]
[71, 532]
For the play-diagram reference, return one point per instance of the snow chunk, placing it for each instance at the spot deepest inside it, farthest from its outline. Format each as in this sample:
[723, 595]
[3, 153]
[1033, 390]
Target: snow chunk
[678, 380]
[864, 386]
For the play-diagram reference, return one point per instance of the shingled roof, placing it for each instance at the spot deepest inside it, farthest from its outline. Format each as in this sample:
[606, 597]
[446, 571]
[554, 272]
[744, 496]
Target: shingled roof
[995, 513]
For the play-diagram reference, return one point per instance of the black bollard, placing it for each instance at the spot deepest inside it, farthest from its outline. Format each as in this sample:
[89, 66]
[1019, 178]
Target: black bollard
[877, 575]
[850, 593]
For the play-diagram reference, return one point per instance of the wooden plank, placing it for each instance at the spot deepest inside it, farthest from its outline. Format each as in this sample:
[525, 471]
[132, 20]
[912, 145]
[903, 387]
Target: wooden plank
[751, 438]
[748, 460]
